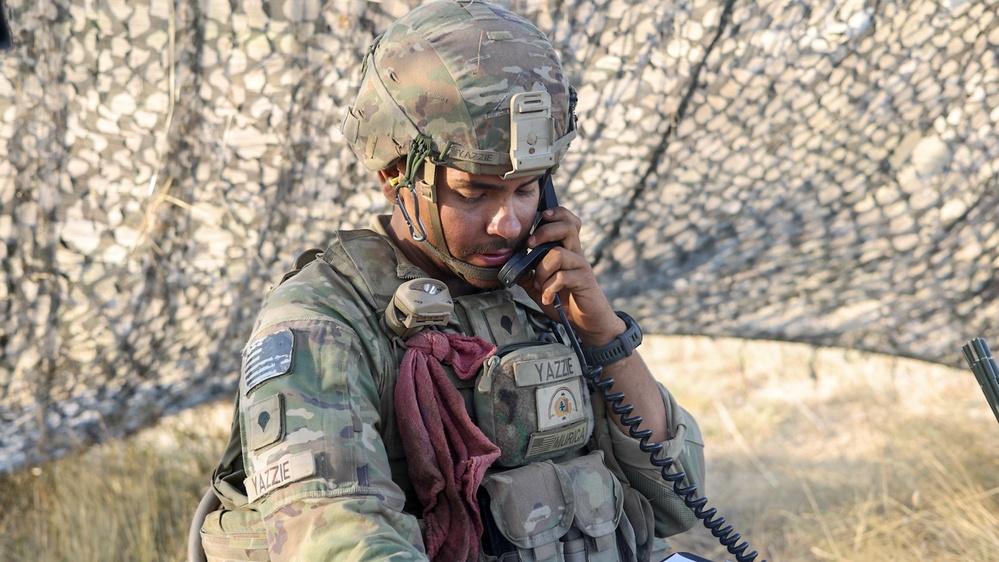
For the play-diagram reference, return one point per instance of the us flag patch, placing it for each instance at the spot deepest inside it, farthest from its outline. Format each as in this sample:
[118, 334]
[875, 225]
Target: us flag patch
[267, 358]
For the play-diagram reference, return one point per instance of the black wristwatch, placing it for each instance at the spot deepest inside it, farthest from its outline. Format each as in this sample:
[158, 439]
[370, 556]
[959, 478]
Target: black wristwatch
[622, 346]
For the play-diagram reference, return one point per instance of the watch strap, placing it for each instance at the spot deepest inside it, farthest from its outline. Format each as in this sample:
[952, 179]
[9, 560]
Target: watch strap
[622, 346]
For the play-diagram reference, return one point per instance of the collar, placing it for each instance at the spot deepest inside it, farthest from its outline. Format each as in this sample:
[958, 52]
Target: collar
[404, 269]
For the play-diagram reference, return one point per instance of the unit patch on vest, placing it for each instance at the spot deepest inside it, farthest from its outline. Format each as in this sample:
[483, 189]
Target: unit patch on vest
[291, 468]
[267, 358]
[559, 404]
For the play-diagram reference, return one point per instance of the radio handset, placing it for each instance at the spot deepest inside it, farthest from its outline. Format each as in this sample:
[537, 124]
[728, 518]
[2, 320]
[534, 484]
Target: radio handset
[527, 260]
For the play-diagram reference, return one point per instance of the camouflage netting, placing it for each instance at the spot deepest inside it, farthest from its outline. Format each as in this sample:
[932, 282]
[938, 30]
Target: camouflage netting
[819, 171]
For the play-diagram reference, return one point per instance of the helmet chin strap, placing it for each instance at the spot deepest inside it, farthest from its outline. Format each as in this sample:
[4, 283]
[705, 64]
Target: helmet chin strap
[428, 190]
[462, 269]
[465, 270]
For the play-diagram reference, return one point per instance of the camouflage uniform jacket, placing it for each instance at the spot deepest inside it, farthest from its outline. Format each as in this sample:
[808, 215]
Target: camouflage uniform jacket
[315, 436]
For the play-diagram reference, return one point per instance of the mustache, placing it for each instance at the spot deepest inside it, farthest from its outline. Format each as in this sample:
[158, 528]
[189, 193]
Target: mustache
[498, 246]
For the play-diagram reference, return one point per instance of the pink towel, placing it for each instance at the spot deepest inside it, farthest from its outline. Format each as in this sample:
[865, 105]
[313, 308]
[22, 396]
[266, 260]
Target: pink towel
[447, 454]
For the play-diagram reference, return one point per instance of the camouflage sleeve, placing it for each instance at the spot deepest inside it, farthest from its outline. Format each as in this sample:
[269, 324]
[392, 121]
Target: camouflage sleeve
[686, 447]
[317, 470]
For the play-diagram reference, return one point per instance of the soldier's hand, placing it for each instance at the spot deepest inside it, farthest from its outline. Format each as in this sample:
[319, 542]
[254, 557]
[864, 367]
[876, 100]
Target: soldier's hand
[566, 271]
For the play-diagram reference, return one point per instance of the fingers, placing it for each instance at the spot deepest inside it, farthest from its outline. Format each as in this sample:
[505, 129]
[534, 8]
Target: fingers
[566, 272]
[570, 276]
[558, 225]
[559, 271]
[562, 270]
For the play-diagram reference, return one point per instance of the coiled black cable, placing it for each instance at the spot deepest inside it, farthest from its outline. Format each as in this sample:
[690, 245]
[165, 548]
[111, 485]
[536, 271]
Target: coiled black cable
[687, 493]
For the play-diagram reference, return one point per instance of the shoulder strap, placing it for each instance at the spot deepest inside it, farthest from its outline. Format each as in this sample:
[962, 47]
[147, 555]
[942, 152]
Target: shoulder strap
[304, 259]
[227, 478]
[371, 262]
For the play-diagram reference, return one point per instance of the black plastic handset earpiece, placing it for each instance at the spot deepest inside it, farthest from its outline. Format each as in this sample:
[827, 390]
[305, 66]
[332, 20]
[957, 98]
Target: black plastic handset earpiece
[527, 260]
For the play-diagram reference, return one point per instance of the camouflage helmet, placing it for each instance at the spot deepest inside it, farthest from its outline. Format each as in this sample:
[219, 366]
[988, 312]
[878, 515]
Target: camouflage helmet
[444, 80]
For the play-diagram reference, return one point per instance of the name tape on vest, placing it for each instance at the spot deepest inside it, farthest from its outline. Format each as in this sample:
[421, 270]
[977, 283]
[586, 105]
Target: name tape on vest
[279, 474]
[542, 371]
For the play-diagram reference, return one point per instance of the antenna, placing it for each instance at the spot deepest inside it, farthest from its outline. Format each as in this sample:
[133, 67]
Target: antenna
[983, 364]
[6, 41]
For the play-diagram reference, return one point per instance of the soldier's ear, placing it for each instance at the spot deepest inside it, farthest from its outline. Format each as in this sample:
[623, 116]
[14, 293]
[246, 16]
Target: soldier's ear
[389, 178]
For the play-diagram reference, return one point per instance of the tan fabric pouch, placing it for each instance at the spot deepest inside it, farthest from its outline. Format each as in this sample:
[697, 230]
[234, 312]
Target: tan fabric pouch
[234, 536]
[599, 504]
[531, 400]
[564, 512]
[533, 508]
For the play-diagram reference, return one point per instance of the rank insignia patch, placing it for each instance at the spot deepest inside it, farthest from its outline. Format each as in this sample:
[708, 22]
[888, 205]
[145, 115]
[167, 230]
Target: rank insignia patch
[267, 358]
[265, 422]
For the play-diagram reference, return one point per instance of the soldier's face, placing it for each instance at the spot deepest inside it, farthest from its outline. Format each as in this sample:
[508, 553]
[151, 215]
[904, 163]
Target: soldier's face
[485, 218]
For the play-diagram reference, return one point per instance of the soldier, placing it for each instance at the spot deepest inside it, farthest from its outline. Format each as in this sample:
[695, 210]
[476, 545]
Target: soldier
[397, 399]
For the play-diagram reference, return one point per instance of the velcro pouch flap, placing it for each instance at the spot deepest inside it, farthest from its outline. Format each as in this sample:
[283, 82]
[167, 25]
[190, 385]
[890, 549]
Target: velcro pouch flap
[598, 495]
[533, 505]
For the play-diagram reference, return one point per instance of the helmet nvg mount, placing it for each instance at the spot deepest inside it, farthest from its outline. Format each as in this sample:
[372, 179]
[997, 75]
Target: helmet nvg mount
[463, 84]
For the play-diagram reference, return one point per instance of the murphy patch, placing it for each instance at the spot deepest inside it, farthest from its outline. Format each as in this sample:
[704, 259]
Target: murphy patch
[267, 358]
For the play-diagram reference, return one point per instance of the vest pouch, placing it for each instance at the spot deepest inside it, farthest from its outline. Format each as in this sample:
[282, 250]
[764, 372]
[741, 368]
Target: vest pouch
[231, 536]
[532, 507]
[532, 401]
[599, 505]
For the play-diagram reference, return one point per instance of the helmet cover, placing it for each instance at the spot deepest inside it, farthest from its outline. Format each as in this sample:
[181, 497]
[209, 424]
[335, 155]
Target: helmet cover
[447, 71]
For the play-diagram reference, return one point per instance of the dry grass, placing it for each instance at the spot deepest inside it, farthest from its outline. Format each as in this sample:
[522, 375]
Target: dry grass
[825, 454]
[813, 454]
[128, 501]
